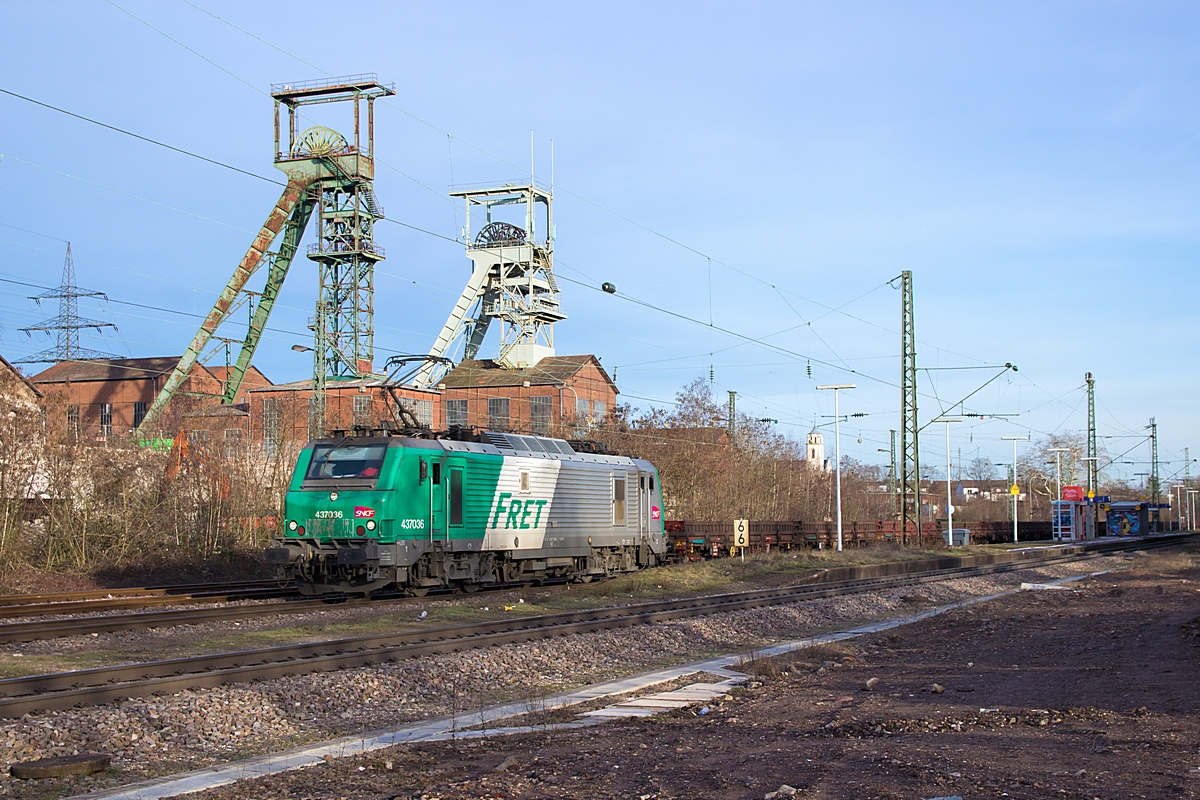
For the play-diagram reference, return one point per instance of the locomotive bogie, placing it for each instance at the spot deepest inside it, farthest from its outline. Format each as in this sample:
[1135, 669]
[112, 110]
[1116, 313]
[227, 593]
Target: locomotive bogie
[366, 513]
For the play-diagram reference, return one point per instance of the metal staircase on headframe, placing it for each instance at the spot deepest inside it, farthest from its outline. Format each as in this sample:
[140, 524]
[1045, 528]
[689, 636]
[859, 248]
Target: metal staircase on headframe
[332, 177]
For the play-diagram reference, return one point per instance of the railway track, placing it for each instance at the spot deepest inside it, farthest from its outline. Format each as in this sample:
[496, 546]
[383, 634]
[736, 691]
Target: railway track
[39, 630]
[19, 696]
[38, 605]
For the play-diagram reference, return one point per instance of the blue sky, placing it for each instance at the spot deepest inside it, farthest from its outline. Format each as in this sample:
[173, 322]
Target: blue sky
[1033, 164]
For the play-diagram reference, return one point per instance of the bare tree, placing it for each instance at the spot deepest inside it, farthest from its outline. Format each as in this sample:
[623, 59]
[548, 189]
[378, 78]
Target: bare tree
[983, 471]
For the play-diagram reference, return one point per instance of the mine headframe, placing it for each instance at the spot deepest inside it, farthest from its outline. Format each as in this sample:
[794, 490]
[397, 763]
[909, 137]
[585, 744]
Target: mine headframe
[512, 282]
[331, 176]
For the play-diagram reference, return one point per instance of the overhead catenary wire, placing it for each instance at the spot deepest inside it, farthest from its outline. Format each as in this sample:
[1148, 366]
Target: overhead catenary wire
[630, 298]
[747, 339]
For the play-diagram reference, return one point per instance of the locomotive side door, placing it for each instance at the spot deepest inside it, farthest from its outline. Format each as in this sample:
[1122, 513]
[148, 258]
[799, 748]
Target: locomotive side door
[644, 505]
[437, 502]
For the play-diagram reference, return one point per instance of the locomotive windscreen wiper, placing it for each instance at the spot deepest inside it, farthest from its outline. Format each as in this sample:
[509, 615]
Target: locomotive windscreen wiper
[325, 456]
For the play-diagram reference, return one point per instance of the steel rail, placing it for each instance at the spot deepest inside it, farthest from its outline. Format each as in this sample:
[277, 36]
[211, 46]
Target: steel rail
[19, 696]
[39, 630]
[118, 603]
[133, 591]
[21, 632]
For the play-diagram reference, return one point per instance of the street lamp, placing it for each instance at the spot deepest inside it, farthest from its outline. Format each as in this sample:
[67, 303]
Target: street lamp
[1058, 451]
[837, 449]
[299, 348]
[1017, 493]
[949, 501]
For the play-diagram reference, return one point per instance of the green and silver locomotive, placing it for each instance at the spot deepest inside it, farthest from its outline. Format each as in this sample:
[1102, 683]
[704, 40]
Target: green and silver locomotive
[367, 512]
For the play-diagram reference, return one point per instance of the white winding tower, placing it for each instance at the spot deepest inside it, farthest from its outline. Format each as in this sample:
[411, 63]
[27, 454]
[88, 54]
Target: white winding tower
[512, 282]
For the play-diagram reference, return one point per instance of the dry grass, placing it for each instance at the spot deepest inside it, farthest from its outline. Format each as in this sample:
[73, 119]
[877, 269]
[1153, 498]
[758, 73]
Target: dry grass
[758, 569]
[1174, 561]
[804, 658]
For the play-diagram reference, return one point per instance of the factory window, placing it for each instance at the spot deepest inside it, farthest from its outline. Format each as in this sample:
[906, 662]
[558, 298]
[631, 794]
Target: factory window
[199, 437]
[618, 495]
[73, 421]
[423, 411]
[598, 411]
[539, 414]
[233, 442]
[139, 412]
[362, 411]
[581, 409]
[456, 498]
[456, 413]
[105, 420]
[270, 426]
[498, 413]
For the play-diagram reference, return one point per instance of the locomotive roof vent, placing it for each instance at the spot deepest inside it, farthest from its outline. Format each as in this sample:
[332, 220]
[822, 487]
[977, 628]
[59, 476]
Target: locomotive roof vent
[532, 444]
[496, 439]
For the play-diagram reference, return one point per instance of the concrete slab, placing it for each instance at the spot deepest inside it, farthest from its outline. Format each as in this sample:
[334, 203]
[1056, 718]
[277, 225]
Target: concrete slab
[655, 702]
[621, 711]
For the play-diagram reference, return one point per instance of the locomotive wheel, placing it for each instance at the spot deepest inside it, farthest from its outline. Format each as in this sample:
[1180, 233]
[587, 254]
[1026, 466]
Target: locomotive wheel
[584, 578]
[418, 591]
[470, 588]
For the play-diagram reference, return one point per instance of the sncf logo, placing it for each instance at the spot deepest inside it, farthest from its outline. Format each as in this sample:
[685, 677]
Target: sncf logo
[655, 512]
[362, 512]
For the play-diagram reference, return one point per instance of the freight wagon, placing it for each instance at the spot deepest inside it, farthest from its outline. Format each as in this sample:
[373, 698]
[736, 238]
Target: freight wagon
[703, 539]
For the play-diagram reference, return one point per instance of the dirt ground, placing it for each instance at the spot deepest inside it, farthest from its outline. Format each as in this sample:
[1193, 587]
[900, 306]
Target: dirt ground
[1081, 693]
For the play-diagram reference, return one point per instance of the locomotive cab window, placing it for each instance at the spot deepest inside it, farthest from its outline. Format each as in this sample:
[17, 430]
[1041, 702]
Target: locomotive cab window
[618, 495]
[437, 473]
[357, 464]
[456, 498]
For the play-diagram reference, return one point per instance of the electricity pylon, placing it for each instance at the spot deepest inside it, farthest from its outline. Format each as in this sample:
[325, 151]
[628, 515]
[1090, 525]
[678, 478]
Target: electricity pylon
[67, 324]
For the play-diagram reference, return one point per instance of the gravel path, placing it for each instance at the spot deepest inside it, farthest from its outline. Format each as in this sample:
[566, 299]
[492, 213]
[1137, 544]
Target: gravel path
[154, 736]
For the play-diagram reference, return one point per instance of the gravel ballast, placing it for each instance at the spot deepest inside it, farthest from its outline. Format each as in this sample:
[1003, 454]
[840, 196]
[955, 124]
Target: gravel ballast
[156, 736]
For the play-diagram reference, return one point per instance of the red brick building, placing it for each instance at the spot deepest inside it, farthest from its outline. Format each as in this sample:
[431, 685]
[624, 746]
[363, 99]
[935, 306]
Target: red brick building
[98, 399]
[279, 413]
[558, 395]
[561, 395]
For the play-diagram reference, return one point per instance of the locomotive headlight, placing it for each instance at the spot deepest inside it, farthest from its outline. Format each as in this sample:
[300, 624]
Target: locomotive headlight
[370, 524]
[292, 525]
[333, 495]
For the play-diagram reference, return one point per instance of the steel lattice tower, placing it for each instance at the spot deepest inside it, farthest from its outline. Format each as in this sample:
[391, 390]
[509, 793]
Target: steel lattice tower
[1093, 471]
[333, 176]
[892, 474]
[910, 459]
[67, 324]
[1155, 488]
